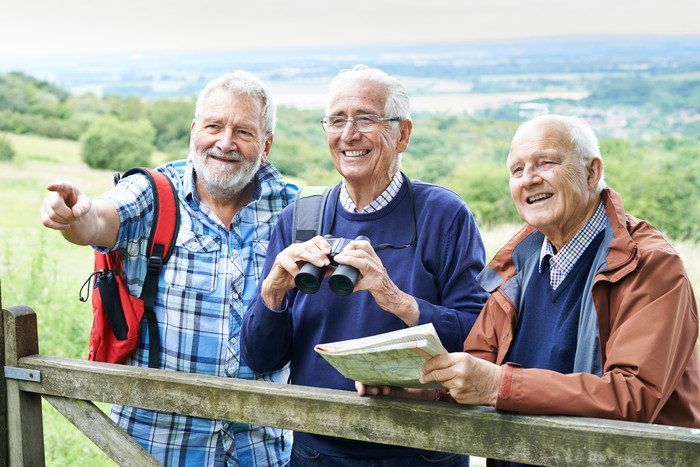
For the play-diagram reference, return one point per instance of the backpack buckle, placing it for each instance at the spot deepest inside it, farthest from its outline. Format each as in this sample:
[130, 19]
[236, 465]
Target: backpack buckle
[154, 264]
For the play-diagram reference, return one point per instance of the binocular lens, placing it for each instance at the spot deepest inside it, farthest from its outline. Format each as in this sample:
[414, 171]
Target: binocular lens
[308, 280]
[342, 281]
[340, 285]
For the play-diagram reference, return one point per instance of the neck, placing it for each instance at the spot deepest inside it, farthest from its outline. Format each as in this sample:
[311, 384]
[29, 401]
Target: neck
[363, 193]
[226, 209]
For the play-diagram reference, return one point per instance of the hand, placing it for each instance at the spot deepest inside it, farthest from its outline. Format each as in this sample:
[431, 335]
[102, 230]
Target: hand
[64, 205]
[287, 265]
[470, 380]
[410, 393]
[375, 279]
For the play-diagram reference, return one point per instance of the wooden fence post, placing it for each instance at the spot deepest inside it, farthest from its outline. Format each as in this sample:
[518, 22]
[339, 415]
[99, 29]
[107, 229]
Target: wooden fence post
[25, 440]
[3, 394]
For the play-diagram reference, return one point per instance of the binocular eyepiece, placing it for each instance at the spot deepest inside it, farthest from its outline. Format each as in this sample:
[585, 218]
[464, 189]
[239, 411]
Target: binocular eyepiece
[342, 281]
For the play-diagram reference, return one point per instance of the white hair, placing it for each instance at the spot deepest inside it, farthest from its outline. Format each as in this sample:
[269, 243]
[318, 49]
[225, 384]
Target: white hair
[242, 82]
[397, 101]
[583, 140]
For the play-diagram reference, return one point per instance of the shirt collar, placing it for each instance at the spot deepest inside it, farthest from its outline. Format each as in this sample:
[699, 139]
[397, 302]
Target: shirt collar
[382, 200]
[562, 262]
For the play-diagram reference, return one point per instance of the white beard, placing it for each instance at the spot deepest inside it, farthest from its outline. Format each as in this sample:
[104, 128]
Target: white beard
[226, 184]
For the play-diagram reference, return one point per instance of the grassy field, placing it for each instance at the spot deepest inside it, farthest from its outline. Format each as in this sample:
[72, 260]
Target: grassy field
[39, 269]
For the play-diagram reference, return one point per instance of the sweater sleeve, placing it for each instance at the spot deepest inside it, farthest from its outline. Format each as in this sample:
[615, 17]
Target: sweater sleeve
[461, 298]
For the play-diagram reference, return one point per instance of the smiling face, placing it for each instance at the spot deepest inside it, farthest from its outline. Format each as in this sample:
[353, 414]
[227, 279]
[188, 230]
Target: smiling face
[551, 190]
[367, 161]
[228, 143]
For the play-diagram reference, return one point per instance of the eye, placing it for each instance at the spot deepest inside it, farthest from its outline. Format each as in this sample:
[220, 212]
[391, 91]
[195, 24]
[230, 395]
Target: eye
[516, 171]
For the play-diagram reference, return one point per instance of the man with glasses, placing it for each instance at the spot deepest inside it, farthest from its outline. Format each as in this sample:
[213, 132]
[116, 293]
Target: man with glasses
[428, 253]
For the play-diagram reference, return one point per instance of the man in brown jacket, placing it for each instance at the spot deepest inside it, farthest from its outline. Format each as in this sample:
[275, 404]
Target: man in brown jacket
[591, 312]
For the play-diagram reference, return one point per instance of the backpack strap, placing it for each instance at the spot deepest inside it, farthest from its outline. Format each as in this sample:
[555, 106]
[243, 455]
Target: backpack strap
[161, 243]
[308, 212]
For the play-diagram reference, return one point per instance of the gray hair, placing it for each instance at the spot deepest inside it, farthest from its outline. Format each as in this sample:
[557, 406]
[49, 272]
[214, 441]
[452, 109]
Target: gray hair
[583, 140]
[242, 82]
[397, 101]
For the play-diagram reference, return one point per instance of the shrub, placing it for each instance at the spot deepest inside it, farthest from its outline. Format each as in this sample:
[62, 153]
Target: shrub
[7, 152]
[116, 145]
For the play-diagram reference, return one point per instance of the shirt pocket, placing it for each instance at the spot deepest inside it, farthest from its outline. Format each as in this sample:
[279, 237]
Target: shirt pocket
[194, 262]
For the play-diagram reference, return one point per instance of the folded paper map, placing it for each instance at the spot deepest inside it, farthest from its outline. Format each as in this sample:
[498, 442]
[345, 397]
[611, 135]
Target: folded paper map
[393, 358]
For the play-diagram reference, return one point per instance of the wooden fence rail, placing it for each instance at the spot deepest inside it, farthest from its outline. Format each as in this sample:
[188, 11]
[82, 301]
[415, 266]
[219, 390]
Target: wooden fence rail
[71, 386]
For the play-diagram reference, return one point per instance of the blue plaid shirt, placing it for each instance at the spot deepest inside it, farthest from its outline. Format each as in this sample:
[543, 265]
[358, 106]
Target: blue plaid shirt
[203, 291]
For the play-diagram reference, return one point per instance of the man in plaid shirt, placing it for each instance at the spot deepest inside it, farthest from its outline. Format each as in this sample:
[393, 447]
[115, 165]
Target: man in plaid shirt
[229, 199]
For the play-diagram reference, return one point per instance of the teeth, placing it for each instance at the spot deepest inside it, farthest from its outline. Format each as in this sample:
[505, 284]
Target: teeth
[355, 153]
[539, 197]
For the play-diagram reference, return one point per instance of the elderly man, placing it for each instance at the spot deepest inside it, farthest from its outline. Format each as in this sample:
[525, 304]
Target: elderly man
[591, 311]
[428, 276]
[229, 200]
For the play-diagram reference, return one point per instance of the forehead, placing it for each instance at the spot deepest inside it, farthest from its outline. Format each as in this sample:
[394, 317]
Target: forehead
[225, 103]
[545, 138]
[358, 97]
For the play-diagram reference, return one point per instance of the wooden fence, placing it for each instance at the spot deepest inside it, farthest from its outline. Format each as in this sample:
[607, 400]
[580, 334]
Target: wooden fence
[71, 385]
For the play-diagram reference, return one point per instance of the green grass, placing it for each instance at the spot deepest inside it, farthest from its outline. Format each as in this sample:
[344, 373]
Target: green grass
[41, 270]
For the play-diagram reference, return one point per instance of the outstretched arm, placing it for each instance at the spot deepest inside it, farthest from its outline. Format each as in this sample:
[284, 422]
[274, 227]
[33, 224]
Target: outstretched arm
[81, 220]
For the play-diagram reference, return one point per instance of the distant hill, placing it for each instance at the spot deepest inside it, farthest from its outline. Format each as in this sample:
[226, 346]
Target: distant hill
[163, 75]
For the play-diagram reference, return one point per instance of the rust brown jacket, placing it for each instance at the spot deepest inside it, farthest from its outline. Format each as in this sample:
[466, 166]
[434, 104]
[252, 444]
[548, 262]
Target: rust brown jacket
[647, 323]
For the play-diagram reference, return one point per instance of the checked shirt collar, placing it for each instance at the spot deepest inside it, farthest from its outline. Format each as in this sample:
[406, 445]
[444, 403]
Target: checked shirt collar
[382, 200]
[561, 263]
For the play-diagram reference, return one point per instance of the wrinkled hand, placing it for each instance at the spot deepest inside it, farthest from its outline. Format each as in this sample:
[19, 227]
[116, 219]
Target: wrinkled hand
[411, 393]
[375, 279]
[64, 205]
[287, 265]
[470, 380]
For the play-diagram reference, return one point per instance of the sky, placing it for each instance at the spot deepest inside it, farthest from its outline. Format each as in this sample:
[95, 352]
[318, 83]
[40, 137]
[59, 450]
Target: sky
[38, 28]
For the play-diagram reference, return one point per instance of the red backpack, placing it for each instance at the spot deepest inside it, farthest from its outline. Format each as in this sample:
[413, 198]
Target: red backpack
[116, 314]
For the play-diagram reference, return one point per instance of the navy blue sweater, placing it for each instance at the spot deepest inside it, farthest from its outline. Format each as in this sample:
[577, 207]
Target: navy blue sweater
[439, 271]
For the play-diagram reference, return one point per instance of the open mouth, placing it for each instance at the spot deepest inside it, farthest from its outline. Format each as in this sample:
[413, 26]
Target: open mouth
[356, 153]
[540, 197]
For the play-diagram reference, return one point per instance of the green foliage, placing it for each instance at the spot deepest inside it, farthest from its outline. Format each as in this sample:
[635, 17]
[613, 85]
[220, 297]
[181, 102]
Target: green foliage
[116, 145]
[7, 152]
[172, 120]
[659, 182]
[484, 187]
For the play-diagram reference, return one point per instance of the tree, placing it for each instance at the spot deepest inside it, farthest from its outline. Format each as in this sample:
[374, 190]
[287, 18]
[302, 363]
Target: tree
[110, 143]
[7, 152]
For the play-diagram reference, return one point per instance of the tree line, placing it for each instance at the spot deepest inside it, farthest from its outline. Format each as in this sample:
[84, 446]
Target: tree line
[659, 177]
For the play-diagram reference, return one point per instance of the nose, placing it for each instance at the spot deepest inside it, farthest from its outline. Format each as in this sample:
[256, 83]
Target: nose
[226, 142]
[531, 176]
[350, 132]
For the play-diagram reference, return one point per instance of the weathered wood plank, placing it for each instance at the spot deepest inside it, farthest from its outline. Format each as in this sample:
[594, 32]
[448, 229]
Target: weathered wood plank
[25, 433]
[477, 431]
[106, 434]
[3, 391]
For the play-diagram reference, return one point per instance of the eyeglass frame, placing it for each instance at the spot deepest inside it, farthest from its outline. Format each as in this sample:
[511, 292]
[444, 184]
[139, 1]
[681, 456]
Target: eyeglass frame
[324, 122]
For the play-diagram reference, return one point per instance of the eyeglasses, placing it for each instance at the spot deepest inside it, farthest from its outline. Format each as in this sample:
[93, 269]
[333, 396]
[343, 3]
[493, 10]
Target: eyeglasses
[362, 123]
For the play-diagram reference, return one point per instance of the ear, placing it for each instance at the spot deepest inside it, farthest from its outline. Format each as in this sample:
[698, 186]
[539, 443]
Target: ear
[595, 172]
[194, 123]
[405, 128]
[267, 147]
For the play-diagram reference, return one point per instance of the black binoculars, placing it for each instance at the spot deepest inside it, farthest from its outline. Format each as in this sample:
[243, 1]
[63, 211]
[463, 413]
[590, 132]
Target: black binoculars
[342, 281]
